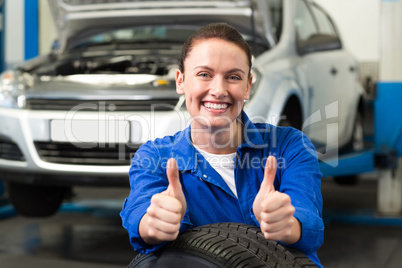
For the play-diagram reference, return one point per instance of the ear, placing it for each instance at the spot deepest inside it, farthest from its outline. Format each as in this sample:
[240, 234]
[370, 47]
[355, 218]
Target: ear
[249, 84]
[179, 82]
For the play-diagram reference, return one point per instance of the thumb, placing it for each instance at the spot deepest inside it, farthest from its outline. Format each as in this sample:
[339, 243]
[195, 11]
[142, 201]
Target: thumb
[172, 172]
[267, 184]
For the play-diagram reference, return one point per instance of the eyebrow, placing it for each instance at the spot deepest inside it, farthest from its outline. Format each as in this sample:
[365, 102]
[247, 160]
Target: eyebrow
[210, 69]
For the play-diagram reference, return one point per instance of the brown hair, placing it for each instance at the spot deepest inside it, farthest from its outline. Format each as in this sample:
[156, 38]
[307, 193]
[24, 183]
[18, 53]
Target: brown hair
[215, 30]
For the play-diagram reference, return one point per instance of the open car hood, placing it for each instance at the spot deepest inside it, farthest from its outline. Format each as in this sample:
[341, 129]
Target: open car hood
[78, 19]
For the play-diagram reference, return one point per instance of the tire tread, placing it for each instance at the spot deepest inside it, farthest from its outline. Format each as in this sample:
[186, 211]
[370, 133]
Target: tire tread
[231, 245]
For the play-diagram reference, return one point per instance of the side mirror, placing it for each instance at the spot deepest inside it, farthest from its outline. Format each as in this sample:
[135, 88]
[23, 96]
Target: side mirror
[318, 42]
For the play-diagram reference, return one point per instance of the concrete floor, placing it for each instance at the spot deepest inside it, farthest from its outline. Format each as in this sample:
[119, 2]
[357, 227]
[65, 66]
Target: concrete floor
[82, 238]
[355, 235]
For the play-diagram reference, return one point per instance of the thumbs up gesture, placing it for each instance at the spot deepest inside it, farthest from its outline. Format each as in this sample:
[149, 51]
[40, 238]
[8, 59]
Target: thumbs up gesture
[274, 210]
[167, 209]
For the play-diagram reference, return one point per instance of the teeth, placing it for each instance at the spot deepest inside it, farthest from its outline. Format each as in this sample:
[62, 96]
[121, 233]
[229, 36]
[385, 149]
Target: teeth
[216, 106]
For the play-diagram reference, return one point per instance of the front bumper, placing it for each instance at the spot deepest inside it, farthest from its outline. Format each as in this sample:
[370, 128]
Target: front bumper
[35, 145]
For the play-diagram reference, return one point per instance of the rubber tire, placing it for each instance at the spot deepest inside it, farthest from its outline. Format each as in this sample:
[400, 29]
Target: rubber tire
[229, 245]
[289, 123]
[291, 115]
[36, 200]
[356, 142]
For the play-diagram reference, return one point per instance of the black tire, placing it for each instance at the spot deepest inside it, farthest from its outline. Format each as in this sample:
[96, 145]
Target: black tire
[36, 200]
[355, 144]
[284, 122]
[290, 122]
[223, 245]
[291, 115]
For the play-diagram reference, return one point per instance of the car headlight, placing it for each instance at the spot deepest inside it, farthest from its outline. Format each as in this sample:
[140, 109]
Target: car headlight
[12, 90]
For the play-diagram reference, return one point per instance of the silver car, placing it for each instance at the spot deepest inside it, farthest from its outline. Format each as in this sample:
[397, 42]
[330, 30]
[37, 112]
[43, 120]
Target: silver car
[77, 115]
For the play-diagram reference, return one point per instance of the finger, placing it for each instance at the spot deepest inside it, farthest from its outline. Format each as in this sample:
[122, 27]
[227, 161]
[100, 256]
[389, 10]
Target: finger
[278, 236]
[166, 202]
[173, 177]
[269, 175]
[164, 227]
[162, 236]
[278, 226]
[273, 227]
[164, 215]
[274, 201]
[278, 215]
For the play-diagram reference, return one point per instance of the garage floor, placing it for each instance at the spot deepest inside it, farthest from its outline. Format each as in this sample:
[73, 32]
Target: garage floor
[87, 232]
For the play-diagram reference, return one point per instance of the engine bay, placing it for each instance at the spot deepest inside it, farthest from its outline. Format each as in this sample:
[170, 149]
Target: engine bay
[159, 65]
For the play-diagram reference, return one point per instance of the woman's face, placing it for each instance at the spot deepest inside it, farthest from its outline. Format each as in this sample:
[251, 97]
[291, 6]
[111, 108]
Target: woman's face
[215, 82]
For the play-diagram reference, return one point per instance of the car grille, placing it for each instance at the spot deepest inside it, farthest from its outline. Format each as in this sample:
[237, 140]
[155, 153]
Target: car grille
[101, 105]
[85, 154]
[10, 150]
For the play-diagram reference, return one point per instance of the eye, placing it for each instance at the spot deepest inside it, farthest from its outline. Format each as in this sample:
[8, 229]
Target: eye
[203, 74]
[234, 77]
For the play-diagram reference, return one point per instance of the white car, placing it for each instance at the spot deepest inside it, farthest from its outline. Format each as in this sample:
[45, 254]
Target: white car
[77, 115]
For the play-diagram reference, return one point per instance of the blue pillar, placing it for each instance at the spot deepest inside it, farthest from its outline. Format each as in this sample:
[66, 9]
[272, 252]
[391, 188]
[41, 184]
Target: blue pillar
[2, 4]
[31, 24]
[2, 20]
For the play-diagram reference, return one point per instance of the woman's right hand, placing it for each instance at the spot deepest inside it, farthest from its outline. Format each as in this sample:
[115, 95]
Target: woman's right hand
[167, 209]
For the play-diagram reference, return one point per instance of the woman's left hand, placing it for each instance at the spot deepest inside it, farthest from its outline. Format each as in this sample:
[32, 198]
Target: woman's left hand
[274, 210]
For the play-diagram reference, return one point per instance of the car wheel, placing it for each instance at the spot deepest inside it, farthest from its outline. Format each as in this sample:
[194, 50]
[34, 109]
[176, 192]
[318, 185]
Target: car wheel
[356, 142]
[223, 245]
[354, 145]
[291, 114]
[36, 200]
[290, 123]
[284, 123]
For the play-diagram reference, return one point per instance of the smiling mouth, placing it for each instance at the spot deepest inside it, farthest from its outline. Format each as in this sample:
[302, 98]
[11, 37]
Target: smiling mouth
[215, 106]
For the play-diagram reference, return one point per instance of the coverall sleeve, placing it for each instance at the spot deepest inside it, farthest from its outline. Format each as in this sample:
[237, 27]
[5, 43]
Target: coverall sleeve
[147, 177]
[299, 176]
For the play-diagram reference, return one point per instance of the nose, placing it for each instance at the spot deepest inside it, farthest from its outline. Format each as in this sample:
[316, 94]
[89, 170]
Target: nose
[218, 87]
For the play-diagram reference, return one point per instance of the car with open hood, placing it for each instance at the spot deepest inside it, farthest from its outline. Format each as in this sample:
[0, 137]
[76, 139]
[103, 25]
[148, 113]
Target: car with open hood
[77, 115]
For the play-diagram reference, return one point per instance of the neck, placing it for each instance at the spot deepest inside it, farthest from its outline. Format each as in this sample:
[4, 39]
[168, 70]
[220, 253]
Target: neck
[218, 141]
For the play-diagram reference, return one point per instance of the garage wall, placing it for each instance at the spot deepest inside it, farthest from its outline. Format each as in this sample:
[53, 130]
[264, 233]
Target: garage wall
[47, 29]
[14, 32]
[371, 30]
[358, 22]
[391, 41]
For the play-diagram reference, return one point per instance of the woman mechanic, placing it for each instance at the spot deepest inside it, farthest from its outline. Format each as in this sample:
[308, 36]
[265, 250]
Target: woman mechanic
[223, 167]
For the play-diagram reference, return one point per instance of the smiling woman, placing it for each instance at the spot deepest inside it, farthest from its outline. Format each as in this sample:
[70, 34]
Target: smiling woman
[215, 92]
[115, 62]
[184, 187]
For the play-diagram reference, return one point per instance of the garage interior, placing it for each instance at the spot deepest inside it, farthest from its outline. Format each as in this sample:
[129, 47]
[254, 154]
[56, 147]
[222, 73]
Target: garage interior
[363, 220]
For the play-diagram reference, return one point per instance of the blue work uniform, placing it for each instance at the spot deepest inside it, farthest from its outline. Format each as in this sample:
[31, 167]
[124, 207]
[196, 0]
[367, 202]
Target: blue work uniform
[210, 200]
